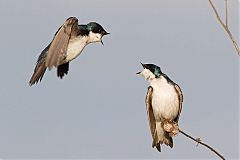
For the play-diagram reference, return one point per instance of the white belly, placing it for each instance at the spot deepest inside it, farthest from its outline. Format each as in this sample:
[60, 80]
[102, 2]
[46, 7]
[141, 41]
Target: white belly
[165, 100]
[75, 48]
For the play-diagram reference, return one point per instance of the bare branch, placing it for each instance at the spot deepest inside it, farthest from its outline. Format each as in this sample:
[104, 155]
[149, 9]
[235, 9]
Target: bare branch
[198, 140]
[216, 13]
[173, 129]
[225, 26]
[226, 4]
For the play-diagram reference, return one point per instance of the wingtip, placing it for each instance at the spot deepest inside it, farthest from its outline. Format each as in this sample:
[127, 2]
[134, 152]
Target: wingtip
[37, 75]
[30, 84]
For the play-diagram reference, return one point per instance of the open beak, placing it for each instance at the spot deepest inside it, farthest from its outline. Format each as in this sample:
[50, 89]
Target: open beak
[144, 66]
[103, 34]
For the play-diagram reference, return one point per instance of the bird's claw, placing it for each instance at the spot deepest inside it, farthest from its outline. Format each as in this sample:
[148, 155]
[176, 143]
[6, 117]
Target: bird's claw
[170, 127]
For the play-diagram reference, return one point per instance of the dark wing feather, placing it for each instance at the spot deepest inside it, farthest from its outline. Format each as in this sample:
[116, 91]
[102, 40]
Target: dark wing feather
[40, 67]
[151, 119]
[38, 74]
[180, 98]
[58, 48]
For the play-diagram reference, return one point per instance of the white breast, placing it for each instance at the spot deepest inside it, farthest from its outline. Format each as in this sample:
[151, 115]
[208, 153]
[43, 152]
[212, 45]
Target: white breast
[165, 100]
[75, 47]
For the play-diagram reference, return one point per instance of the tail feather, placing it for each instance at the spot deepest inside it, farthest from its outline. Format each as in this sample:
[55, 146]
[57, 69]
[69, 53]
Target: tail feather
[62, 70]
[161, 137]
[158, 147]
[38, 74]
[168, 140]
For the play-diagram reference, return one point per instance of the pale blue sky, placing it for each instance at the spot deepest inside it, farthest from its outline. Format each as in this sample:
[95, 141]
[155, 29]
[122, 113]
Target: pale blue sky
[98, 109]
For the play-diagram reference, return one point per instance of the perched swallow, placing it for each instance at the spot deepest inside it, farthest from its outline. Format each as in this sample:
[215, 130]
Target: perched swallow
[163, 102]
[68, 43]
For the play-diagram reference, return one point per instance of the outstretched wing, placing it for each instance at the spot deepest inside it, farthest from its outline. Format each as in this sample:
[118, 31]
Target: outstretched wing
[58, 48]
[180, 98]
[151, 118]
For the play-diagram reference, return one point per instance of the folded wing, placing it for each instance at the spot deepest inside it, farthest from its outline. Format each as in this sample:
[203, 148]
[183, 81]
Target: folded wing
[180, 98]
[151, 119]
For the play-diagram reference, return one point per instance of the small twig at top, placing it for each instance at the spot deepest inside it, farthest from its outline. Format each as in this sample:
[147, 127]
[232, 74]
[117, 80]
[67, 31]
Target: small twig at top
[226, 4]
[225, 26]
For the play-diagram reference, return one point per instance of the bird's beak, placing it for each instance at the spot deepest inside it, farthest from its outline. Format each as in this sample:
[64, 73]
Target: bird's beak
[102, 42]
[144, 66]
[103, 34]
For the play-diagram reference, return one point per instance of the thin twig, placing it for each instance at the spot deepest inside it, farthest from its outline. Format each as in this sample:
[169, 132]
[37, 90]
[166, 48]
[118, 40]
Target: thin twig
[198, 140]
[225, 26]
[226, 4]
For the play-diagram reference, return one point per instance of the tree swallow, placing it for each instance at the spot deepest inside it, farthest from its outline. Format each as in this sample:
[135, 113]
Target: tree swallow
[68, 43]
[163, 102]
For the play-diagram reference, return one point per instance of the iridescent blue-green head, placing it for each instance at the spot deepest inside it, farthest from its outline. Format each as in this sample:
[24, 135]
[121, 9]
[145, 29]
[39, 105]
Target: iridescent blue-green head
[150, 71]
[96, 32]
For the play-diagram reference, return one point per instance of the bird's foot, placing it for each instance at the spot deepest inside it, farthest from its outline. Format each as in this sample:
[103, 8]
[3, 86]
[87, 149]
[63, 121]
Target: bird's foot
[170, 127]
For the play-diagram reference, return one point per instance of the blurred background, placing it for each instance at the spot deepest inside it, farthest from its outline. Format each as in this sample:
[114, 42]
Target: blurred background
[98, 109]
